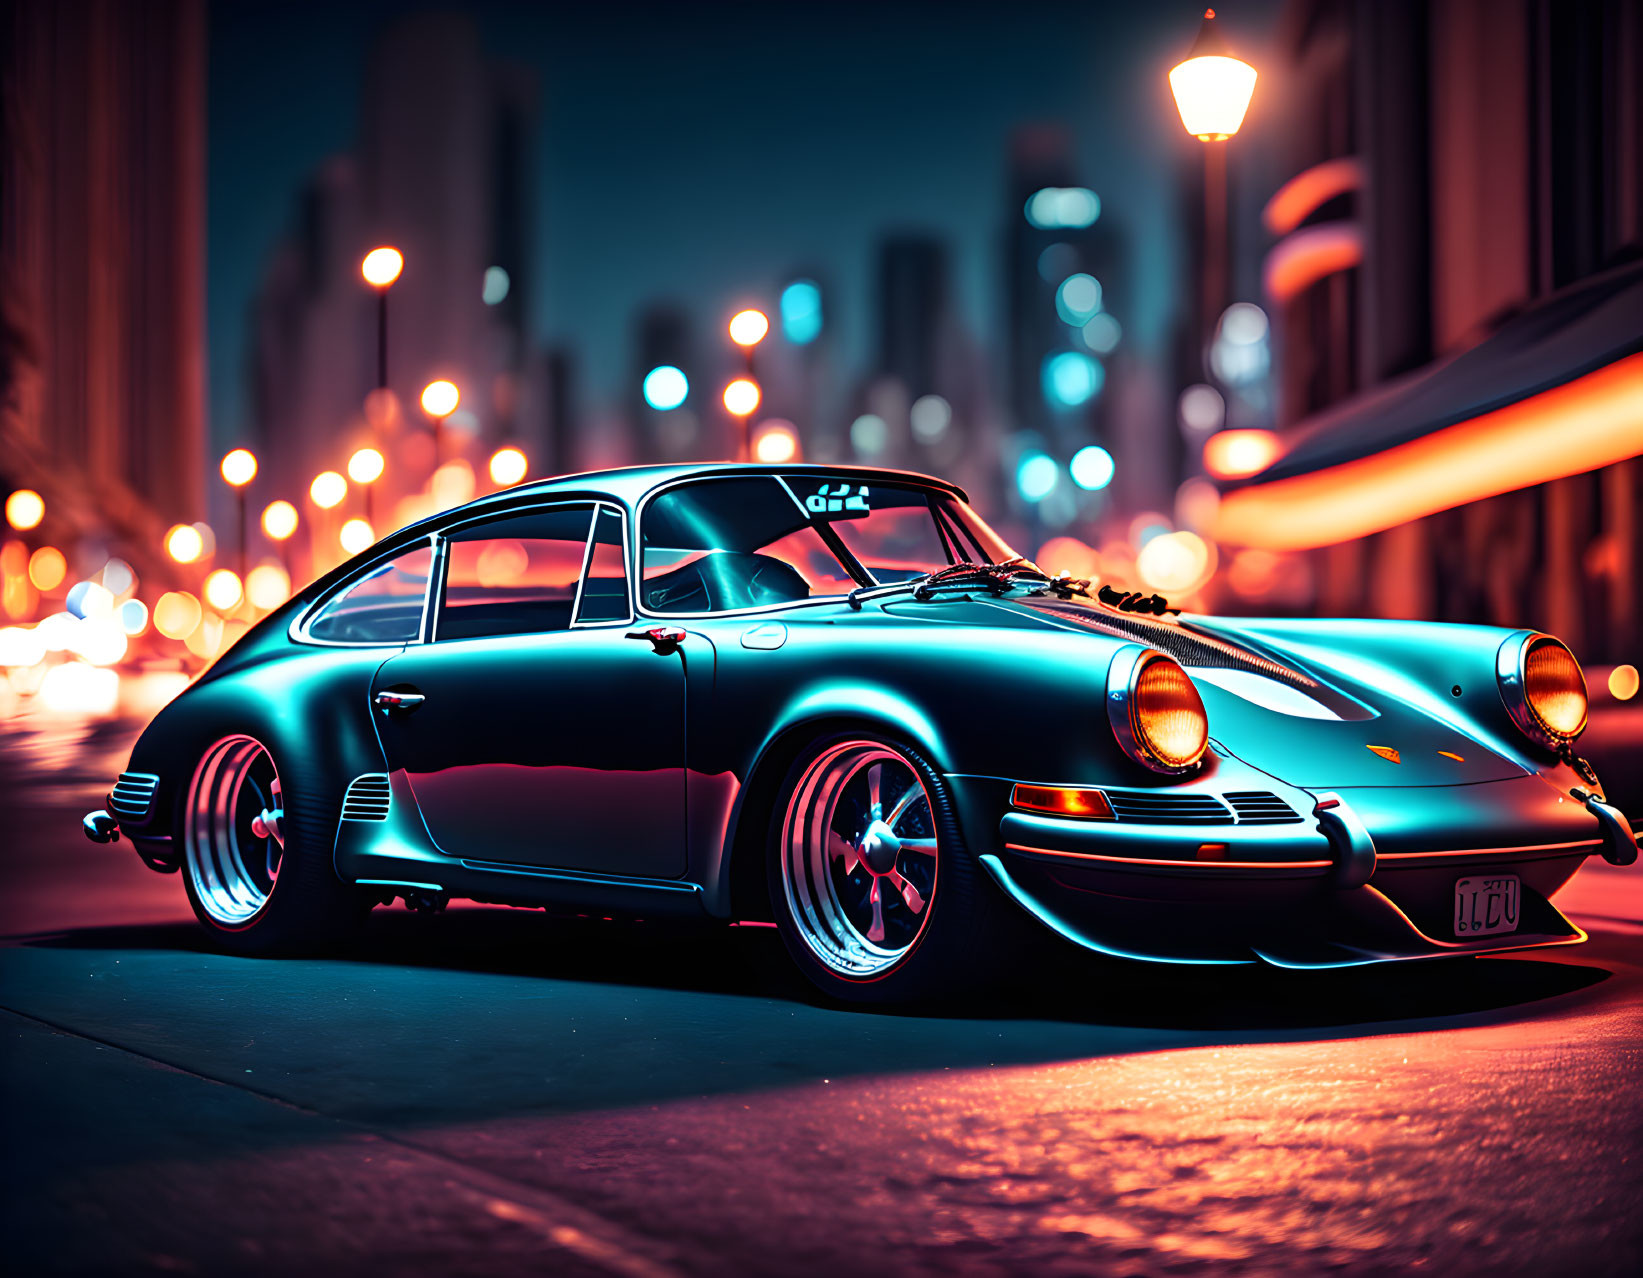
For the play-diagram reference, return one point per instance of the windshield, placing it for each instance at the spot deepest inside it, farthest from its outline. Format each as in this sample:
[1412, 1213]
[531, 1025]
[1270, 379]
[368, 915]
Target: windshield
[751, 541]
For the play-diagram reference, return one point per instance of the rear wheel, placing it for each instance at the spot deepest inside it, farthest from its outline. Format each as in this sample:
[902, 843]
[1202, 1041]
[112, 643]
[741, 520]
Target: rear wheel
[256, 864]
[875, 894]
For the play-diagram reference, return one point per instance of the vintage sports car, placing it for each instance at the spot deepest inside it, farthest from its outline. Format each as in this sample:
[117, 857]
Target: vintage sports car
[833, 699]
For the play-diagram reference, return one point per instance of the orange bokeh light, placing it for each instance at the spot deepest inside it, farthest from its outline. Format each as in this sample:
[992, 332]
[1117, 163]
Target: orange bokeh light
[1237, 454]
[742, 397]
[382, 266]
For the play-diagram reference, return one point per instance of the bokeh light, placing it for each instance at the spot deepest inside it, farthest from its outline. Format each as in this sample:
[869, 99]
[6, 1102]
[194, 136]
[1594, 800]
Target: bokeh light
[801, 308]
[1196, 502]
[279, 520]
[366, 466]
[1244, 324]
[239, 467]
[1202, 409]
[1101, 333]
[1036, 476]
[452, 484]
[1078, 298]
[89, 600]
[1212, 93]
[382, 266]
[1623, 683]
[133, 616]
[1071, 378]
[118, 578]
[176, 614]
[25, 508]
[356, 535]
[747, 328]
[493, 290]
[1070, 555]
[184, 543]
[930, 416]
[267, 586]
[223, 589]
[47, 568]
[439, 399]
[869, 434]
[1237, 454]
[1177, 562]
[742, 397]
[21, 646]
[1055, 207]
[1092, 467]
[328, 489]
[665, 387]
[80, 689]
[775, 441]
[508, 467]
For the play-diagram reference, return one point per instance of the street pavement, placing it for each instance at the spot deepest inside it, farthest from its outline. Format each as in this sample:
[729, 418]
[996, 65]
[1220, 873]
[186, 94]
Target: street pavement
[494, 1091]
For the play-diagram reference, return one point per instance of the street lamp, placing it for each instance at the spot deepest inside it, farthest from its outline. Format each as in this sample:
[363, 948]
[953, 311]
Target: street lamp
[381, 268]
[748, 328]
[328, 489]
[279, 521]
[184, 543]
[365, 468]
[239, 468]
[741, 398]
[1212, 91]
[439, 401]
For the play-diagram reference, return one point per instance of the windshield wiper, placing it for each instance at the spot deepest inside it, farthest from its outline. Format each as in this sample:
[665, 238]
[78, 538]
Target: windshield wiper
[997, 578]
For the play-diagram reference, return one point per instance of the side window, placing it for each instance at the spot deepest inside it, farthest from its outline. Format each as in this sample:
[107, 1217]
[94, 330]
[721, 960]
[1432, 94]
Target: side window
[514, 576]
[605, 588]
[384, 606]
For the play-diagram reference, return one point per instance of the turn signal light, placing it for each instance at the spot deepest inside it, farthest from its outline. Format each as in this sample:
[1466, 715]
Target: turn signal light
[1543, 688]
[1062, 801]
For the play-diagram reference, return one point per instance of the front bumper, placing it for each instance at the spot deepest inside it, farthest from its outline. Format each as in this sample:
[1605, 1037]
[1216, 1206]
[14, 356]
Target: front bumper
[1368, 877]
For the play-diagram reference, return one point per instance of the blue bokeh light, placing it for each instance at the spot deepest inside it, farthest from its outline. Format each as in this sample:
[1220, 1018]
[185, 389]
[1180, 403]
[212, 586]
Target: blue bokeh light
[1036, 476]
[1072, 378]
[801, 308]
[1078, 298]
[665, 387]
[1092, 467]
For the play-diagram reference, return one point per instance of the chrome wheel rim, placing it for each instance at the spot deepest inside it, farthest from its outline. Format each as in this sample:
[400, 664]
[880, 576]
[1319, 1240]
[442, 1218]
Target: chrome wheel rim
[234, 830]
[858, 858]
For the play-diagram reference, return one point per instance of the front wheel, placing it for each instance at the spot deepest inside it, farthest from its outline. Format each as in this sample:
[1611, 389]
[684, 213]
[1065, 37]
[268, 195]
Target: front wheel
[256, 858]
[875, 894]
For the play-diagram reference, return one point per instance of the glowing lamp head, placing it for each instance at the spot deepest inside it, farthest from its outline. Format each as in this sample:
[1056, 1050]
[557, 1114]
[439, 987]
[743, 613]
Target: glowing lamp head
[25, 508]
[439, 399]
[223, 590]
[1211, 87]
[1155, 711]
[184, 543]
[356, 535]
[776, 442]
[279, 520]
[748, 328]
[1543, 687]
[365, 466]
[328, 489]
[508, 467]
[382, 266]
[239, 467]
[742, 397]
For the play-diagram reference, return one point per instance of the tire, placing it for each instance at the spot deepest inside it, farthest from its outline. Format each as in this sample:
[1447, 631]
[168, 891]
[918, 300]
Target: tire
[876, 896]
[257, 854]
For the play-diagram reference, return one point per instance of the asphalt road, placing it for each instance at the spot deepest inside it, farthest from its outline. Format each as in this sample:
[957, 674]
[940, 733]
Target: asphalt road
[491, 1091]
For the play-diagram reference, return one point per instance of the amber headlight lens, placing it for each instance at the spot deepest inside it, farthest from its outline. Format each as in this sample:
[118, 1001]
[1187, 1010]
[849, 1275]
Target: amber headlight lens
[1543, 688]
[1554, 687]
[1154, 710]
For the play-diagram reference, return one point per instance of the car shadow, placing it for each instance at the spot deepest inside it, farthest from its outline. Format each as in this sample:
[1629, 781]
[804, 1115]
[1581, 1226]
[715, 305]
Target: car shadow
[1050, 983]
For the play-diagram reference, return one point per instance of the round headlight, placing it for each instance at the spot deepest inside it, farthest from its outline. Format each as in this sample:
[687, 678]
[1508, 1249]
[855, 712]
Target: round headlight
[1543, 688]
[1155, 711]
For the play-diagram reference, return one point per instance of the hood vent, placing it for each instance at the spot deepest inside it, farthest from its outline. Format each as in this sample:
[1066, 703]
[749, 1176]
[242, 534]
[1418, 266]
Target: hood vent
[132, 795]
[367, 798]
[1260, 807]
[1147, 807]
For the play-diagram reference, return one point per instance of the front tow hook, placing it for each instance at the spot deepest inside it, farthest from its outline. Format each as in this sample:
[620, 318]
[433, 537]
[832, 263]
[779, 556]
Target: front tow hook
[1619, 843]
[100, 827]
[1349, 838]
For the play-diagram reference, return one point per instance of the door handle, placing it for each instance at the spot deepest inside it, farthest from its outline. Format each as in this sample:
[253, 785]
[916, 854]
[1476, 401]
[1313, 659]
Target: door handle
[662, 638]
[388, 702]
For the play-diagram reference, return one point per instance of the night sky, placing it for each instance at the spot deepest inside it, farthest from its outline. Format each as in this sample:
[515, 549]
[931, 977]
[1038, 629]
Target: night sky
[703, 152]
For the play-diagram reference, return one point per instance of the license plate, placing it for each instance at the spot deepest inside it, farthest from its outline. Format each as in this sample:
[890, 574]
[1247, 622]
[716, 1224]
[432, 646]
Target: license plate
[1485, 906]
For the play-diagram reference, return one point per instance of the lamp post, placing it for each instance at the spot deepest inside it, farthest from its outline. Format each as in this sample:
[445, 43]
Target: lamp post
[439, 401]
[1212, 91]
[239, 468]
[747, 330]
[381, 268]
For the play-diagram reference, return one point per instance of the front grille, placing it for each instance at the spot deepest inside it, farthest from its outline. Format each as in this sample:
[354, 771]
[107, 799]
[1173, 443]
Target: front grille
[133, 795]
[367, 798]
[1259, 807]
[1146, 808]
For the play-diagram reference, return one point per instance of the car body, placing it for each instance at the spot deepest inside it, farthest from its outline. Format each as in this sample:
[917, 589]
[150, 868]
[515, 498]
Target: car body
[648, 691]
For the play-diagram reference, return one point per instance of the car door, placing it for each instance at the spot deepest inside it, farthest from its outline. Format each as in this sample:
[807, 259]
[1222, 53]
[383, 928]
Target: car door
[532, 730]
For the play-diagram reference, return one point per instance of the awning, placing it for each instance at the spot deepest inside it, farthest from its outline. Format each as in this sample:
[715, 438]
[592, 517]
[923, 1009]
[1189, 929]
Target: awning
[1556, 390]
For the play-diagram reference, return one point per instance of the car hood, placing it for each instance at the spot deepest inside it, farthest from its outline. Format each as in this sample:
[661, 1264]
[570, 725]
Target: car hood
[1308, 722]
